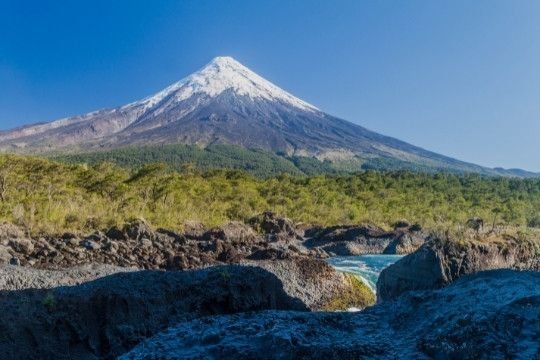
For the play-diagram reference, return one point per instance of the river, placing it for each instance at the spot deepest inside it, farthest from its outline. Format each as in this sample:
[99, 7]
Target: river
[367, 267]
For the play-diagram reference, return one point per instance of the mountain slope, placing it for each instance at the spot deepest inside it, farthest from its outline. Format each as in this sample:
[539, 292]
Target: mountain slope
[226, 103]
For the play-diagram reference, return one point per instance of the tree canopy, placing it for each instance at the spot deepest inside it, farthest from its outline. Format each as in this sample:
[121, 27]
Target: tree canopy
[46, 195]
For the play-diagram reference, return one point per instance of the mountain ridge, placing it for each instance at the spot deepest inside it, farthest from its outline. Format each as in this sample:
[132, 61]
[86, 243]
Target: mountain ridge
[226, 103]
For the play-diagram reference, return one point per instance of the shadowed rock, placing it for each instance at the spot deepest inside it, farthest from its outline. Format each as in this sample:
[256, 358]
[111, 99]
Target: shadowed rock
[318, 285]
[491, 315]
[108, 316]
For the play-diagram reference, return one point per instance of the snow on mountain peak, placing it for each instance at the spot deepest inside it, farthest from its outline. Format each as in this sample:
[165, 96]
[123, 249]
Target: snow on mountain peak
[226, 61]
[221, 74]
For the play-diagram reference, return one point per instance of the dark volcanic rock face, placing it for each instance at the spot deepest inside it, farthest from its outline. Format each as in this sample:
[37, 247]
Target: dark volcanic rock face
[106, 317]
[439, 262]
[137, 245]
[487, 315]
[491, 315]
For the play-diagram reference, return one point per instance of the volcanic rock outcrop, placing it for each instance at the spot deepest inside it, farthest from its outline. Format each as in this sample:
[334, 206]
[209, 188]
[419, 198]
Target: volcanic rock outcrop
[106, 317]
[490, 315]
[365, 239]
[441, 261]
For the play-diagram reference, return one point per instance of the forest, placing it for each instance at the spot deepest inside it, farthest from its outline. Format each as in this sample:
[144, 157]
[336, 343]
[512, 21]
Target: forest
[259, 163]
[50, 196]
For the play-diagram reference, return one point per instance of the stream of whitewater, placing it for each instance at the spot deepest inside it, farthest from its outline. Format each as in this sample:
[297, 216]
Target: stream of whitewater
[367, 267]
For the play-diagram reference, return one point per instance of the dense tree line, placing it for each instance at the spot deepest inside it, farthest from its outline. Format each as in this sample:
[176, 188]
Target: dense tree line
[179, 157]
[257, 162]
[45, 195]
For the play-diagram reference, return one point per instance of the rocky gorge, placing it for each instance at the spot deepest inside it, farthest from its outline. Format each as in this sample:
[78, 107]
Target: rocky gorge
[200, 293]
[491, 315]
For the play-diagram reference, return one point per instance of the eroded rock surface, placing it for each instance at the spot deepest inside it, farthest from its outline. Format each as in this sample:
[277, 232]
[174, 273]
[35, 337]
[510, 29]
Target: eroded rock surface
[365, 239]
[265, 237]
[318, 285]
[106, 317]
[103, 318]
[440, 261]
[490, 315]
[19, 278]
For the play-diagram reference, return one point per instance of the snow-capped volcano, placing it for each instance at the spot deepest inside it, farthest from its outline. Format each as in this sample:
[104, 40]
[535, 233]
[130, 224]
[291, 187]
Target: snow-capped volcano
[224, 103]
[221, 74]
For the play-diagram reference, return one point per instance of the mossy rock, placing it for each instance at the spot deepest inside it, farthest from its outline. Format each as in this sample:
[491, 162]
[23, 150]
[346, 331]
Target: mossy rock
[355, 295]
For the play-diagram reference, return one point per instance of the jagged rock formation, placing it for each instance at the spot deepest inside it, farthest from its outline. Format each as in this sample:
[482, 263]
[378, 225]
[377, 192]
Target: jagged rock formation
[440, 261]
[137, 245]
[491, 315]
[275, 227]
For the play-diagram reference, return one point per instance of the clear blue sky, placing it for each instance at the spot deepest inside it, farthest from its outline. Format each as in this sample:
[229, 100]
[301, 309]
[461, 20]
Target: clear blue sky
[460, 78]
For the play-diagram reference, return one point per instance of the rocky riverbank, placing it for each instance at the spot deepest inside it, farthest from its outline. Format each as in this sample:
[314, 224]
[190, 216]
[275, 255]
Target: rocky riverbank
[264, 237]
[88, 296]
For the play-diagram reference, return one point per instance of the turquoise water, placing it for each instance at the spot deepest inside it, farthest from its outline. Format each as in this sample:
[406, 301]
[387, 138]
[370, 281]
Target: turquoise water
[367, 267]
